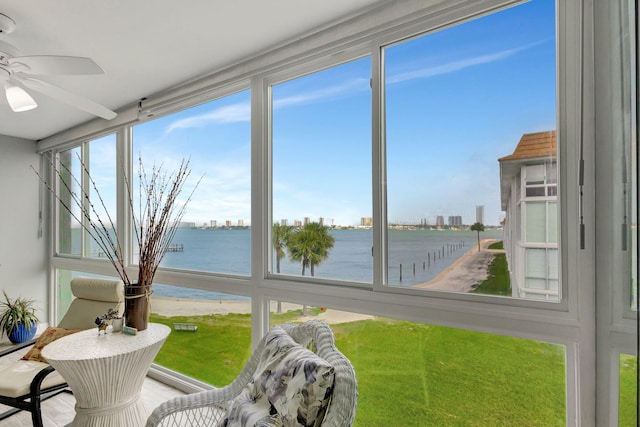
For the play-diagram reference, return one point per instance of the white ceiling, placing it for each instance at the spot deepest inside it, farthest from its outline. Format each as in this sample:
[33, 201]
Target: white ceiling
[146, 46]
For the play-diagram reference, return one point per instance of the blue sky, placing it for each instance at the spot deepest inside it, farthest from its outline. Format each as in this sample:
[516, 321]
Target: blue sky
[456, 101]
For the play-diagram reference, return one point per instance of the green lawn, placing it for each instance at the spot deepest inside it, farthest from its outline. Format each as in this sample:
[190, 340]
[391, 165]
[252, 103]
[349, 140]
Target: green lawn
[411, 374]
[496, 245]
[498, 282]
[408, 373]
[628, 391]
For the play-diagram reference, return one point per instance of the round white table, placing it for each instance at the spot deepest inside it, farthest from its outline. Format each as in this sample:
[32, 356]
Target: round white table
[106, 372]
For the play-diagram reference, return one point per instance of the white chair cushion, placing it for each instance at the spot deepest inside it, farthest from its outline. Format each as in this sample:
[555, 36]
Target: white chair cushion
[17, 377]
[82, 313]
[93, 298]
[98, 289]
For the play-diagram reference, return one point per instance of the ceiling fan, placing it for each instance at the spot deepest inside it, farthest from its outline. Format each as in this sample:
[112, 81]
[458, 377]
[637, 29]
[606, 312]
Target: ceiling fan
[16, 73]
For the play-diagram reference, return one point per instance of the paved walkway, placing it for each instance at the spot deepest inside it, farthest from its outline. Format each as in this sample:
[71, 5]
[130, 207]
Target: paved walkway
[467, 272]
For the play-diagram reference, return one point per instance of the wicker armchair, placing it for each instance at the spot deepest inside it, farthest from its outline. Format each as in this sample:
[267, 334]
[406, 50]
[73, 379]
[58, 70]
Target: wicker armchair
[209, 408]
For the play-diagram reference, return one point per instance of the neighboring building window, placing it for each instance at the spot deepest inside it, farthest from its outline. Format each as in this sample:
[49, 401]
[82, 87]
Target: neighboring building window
[541, 222]
[541, 180]
[541, 274]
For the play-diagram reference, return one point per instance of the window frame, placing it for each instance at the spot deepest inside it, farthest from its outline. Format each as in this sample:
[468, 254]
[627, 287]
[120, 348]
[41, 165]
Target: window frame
[570, 323]
[567, 115]
[85, 153]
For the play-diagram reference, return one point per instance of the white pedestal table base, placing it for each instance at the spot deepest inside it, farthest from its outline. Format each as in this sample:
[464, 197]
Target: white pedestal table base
[106, 374]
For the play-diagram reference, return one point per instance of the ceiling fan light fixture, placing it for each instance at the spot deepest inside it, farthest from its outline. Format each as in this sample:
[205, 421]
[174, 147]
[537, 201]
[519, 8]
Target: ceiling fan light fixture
[19, 100]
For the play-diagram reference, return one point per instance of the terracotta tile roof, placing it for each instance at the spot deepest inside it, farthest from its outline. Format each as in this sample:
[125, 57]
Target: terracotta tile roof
[531, 145]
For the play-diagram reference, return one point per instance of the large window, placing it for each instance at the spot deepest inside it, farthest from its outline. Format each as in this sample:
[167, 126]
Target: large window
[215, 138]
[87, 178]
[69, 223]
[457, 100]
[215, 345]
[449, 148]
[414, 374]
[322, 174]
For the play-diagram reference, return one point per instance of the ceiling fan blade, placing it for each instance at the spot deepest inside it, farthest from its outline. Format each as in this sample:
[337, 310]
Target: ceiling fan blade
[62, 95]
[7, 49]
[54, 65]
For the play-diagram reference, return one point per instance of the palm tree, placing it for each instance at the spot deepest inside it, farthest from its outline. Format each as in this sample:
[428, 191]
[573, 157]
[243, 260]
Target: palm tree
[280, 237]
[324, 243]
[300, 247]
[478, 226]
[310, 246]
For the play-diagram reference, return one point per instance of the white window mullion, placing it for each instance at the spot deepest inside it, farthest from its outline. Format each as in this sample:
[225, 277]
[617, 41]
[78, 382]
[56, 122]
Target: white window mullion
[86, 189]
[261, 202]
[378, 145]
[124, 222]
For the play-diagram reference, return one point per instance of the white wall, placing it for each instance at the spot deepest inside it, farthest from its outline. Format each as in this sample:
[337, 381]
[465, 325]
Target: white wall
[23, 255]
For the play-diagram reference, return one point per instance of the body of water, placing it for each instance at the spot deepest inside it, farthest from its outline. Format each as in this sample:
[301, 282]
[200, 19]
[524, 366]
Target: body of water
[420, 254]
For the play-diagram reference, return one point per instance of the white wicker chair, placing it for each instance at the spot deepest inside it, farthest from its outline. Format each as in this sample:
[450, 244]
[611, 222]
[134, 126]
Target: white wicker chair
[208, 408]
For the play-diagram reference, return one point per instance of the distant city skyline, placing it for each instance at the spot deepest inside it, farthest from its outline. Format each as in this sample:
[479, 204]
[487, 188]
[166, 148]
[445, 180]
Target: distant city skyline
[450, 221]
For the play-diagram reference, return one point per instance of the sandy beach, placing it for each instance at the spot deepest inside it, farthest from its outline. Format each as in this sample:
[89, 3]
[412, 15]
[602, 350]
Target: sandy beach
[165, 306]
[463, 275]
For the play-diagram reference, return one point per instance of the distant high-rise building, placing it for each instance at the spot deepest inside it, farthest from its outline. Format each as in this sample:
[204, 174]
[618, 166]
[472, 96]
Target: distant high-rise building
[283, 222]
[439, 221]
[366, 221]
[213, 223]
[455, 221]
[480, 214]
[297, 223]
[241, 223]
[321, 220]
[307, 220]
[228, 223]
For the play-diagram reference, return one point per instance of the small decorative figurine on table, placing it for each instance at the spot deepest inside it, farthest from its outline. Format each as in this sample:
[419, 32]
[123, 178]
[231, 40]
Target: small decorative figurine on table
[101, 321]
[102, 325]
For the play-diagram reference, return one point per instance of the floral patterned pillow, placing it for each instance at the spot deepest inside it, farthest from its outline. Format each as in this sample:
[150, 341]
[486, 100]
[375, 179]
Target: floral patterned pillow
[292, 387]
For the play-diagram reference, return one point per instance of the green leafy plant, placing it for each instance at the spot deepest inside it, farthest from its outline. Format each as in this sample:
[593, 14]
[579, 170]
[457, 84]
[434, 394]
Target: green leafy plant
[18, 311]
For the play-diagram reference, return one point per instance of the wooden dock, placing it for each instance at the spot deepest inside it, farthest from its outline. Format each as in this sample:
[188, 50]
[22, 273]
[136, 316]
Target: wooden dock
[174, 247]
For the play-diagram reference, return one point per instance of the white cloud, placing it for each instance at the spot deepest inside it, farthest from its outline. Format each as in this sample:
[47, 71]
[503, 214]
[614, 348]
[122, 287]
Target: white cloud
[240, 112]
[350, 86]
[457, 65]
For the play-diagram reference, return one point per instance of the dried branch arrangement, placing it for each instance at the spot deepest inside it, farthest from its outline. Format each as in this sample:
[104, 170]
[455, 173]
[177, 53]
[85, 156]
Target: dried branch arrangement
[155, 221]
[160, 215]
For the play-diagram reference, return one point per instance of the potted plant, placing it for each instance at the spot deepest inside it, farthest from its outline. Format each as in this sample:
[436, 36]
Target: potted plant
[156, 215]
[18, 318]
